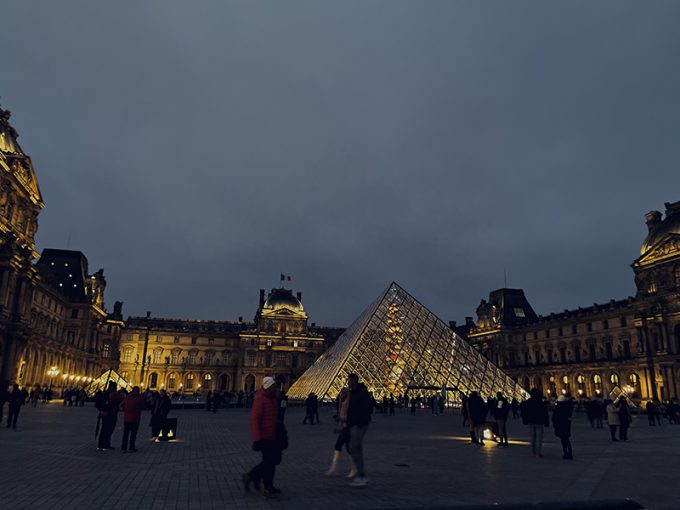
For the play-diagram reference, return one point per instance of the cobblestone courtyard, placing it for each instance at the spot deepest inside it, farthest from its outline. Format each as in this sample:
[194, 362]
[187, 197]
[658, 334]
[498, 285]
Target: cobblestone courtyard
[51, 462]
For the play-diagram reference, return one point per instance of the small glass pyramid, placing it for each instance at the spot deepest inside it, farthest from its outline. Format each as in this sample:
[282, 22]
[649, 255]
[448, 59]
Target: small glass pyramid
[397, 345]
[102, 383]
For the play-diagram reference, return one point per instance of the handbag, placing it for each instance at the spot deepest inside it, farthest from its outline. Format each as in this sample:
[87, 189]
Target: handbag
[281, 436]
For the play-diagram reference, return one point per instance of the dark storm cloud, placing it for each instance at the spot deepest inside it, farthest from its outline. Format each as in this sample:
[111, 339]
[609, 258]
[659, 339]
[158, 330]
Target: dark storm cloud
[196, 150]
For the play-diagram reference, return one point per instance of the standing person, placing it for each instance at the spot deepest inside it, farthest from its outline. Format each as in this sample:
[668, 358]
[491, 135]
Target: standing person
[624, 419]
[16, 400]
[477, 411]
[535, 414]
[216, 401]
[414, 403]
[358, 417]
[159, 412]
[500, 414]
[4, 397]
[613, 419]
[464, 408]
[598, 411]
[391, 405]
[343, 432]
[263, 429]
[651, 411]
[283, 405]
[561, 419]
[132, 415]
[109, 416]
[515, 408]
[208, 401]
[309, 407]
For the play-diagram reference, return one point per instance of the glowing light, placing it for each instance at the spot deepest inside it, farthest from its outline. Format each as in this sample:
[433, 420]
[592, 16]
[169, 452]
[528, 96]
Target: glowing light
[564, 392]
[580, 392]
[488, 434]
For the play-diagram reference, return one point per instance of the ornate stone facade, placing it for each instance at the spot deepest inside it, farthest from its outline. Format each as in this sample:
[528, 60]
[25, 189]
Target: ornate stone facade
[53, 324]
[187, 356]
[632, 343]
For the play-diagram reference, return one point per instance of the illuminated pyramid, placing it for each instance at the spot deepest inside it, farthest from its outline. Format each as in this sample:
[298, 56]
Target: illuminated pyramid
[397, 345]
[102, 383]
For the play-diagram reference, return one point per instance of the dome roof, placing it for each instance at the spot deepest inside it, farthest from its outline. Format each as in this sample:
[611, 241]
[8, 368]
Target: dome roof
[660, 229]
[280, 299]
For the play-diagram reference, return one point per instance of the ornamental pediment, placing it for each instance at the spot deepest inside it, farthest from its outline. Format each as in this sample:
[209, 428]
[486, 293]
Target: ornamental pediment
[668, 248]
[21, 169]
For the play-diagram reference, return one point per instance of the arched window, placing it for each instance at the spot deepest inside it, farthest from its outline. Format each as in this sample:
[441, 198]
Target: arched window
[597, 382]
[249, 384]
[127, 355]
[207, 382]
[172, 381]
[153, 380]
[614, 379]
[224, 382]
[190, 381]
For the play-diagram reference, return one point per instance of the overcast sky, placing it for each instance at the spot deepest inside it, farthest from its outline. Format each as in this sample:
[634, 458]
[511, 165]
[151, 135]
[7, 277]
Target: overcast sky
[197, 150]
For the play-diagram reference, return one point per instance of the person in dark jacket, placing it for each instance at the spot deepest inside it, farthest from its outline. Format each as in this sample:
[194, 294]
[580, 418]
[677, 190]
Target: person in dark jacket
[561, 420]
[477, 412]
[535, 414]
[264, 419]
[159, 412]
[311, 405]
[4, 397]
[216, 401]
[500, 413]
[133, 403]
[109, 416]
[16, 400]
[651, 413]
[358, 417]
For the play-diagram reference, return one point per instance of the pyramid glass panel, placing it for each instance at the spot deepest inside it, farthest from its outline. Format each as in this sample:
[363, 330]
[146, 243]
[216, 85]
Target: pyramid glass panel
[396, 346]
[102, 383]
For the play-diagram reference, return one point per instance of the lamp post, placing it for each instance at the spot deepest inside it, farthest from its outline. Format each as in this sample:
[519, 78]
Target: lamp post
[146, 347]
[52, 372]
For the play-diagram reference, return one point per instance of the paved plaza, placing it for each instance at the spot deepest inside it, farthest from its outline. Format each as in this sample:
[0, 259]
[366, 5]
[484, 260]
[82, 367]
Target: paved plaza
[51, 462]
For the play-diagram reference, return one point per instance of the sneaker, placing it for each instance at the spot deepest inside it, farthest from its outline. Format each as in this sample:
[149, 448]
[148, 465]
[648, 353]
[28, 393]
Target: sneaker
[352, 473]
[359, 481]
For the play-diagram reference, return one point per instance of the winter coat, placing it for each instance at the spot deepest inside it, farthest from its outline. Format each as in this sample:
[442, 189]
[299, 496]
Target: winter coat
[16, 399]
[535, 412]
[613, 415]
[477, 410]
[624, 416]
[264, 417]
[561, 418]
[501, 410]
[132, 407]
[360, 407]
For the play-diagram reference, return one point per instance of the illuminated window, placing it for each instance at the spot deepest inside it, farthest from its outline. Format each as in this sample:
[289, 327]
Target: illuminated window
[651, 286]
[192, 357]
[565, 379]
[519, 312]
[614, 379]
[157, 356]
[269, 342]
[174, 357]
[159, 339]
[296, 343]
[580, 379]
[153, 380]
[127, 355]
[172, 381]
[106, 350]
[190, 381]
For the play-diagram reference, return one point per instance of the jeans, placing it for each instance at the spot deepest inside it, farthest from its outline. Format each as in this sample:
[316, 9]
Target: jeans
[536, 433]
[502, 431]
[108, 426]
[265, 470]
[566, 447]
[130, 429]
[356, 447]
[623, 432]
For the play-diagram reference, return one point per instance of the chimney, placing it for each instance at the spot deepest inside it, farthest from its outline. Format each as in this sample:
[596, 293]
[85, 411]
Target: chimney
[261, 298]
[299, 296]
[653, 219]
[469, 321]
[118, 309]
[452, 324]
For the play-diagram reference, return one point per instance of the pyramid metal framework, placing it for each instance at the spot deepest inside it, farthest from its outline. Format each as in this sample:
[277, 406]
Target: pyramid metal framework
[398, 345]
[102, 383]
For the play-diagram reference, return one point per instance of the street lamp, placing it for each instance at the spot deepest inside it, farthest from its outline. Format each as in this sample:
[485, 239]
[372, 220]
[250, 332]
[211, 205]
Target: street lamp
[52, 372]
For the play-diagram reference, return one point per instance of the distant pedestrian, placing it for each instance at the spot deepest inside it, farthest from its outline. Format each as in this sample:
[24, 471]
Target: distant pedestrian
[414, 403]
[109, 416]
[500, 414]
[311, 406]
[599, 408]
[515, 408]
[358, 417]
[132, 415]
[4, 397]
[159, 413]
[16, 400]
[208, 401]
[342, 430]
[535, 414]
[464, 408]
[283, 405]
[651, 413]
[390, 405]
[263, 429]
[613, 418]
[562, 424]
[216, 401]
[624, 419]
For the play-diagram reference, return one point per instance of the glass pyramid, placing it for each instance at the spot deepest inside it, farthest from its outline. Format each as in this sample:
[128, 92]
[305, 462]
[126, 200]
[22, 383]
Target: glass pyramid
[398, 345]
[102, 383]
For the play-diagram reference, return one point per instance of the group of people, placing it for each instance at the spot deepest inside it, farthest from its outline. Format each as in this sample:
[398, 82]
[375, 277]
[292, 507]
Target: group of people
[15, 399]
[111, 401]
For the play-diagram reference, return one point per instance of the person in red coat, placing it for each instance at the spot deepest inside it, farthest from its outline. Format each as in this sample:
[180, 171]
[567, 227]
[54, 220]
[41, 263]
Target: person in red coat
[132, 415]
[263, 425]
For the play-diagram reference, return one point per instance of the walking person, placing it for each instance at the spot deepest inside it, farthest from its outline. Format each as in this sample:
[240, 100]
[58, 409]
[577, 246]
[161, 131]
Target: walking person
[613, 418]
[651, 413]
[16, 400]
[500, 414]
[263, 428]
[535, 414]
[561, 420]
[216, 401]
[599, 409]
[208, 401]
[133, 403]
[283, 405]
[343, 433]
[358, 417]
[414, 403]
[159, 413]
[624, 419]
[109, 416]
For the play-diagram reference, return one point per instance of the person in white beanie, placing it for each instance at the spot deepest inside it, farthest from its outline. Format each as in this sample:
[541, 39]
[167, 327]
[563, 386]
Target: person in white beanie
[264, 420]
